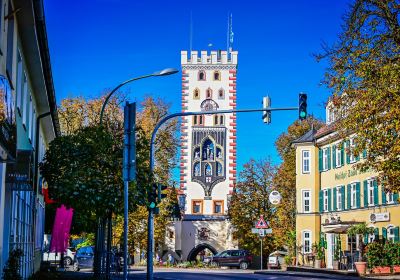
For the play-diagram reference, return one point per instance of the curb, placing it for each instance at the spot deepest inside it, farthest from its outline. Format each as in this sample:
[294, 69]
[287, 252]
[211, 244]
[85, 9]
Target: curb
[306, 274]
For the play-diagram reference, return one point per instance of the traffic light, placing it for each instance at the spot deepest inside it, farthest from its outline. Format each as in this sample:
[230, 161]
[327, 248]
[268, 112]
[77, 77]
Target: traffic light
[160, 194]
[267, 113]
[152, 196]
[302, 106]
[129, 162]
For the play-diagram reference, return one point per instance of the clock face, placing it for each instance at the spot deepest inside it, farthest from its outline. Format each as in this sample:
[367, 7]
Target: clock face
[209, 105]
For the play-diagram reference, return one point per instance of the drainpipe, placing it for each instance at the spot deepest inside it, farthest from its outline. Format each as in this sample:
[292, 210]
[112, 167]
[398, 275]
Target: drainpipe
[37, 147]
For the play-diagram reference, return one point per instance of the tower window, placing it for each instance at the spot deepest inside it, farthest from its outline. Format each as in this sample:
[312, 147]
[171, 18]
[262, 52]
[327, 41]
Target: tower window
[217, 76]
[197, 207]
[196, 94]
[218, 206]
[197, 120]
[202, 75]
[221, 94]
[209, 93]
[218, 120]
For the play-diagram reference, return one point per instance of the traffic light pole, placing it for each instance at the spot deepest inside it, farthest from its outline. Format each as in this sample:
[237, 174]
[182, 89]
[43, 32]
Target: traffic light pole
[150, 232]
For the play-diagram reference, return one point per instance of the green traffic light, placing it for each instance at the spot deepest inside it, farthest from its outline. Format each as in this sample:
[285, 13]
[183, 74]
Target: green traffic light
[152, 205]
[302, 114]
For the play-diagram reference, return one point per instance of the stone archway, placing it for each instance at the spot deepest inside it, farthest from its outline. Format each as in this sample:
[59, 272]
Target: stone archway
[196, 250]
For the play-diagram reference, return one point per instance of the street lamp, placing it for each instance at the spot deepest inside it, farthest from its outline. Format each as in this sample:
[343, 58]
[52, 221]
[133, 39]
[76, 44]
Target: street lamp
[164, 72]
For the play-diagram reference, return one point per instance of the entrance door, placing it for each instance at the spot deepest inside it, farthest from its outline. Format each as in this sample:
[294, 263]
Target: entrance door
[330, 244]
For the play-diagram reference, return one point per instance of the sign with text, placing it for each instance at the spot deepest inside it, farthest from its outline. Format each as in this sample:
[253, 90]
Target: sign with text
[18, 173]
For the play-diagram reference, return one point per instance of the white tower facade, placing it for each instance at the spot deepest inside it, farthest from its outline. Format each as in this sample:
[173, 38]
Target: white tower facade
[208, 153]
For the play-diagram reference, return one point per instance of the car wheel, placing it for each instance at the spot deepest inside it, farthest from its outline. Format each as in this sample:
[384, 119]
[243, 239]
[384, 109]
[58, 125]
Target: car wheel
[67, 261]
[76, 266]
[244, 265]
[213, 264]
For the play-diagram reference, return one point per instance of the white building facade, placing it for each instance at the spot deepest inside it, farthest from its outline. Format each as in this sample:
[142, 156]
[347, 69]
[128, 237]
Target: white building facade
[208, 154]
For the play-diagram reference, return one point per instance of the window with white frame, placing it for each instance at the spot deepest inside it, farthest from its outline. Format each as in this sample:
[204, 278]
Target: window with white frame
[325, 159]
[325, 200]
[30, 116]
[370, 184]
[339, 198]
[390, 233]
[353, 195]
[306, 241]
[338, 156]
[306, 201]
[306, 161]
[389, 197]
[371, 236]
[352, 145]
[20, 84]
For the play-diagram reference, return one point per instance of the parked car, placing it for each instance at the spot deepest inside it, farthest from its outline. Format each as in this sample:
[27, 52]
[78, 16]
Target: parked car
[275, 259]
[238, 258]
[53, 257]
[84, 258]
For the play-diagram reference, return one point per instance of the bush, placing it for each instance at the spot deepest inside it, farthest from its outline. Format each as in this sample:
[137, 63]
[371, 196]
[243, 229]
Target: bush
[392, 251]
[378, 254]
[11, 271]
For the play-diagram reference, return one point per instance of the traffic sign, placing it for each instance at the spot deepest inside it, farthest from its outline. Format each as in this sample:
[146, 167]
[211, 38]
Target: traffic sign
[261, 223]
[275, 197]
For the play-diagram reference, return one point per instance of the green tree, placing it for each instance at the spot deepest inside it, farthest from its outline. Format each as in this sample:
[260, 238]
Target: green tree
[249, 201]
[364, 74]
[285, 178]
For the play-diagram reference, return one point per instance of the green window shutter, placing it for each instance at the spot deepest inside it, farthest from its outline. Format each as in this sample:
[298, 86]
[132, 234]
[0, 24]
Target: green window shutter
[334, 156]
[348, 196]
[329, 157]
[396, 234]
[384, 233]
[366, 238]
[376, 233]
[329, 199]
[348, 152]
[342, 154]
[396, 197]
[383, 195]
[376, 201]
[320, 160]
[365, 193]
[334, 199]
[358, 195]
[343, 196]
[321, 201]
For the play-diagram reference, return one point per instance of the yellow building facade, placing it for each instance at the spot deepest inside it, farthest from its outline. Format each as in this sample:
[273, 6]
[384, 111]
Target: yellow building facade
[332, 195]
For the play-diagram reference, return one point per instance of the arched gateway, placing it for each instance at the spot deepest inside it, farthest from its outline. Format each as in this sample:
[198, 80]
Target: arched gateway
[200, 247]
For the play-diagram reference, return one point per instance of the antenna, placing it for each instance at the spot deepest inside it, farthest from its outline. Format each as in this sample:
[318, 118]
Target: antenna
[191, 32]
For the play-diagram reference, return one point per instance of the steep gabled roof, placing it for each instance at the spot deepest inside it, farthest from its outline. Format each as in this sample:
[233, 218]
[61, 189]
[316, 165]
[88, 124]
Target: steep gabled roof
[309, 136]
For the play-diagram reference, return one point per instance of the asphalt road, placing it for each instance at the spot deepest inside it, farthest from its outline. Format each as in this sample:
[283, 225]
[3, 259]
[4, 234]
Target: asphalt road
[182, 274]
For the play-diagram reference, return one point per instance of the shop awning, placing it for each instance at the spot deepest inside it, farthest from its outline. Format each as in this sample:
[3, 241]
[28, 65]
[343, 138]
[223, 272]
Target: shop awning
[341, 227]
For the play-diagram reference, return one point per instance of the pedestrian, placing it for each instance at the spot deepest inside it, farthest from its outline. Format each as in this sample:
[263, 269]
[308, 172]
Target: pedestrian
[170, 259]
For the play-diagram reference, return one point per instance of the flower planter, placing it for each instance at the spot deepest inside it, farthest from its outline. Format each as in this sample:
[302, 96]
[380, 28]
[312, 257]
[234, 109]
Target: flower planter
[317, 264]
[381, 270]
[336, 265]
[396, 269]
[361, 268]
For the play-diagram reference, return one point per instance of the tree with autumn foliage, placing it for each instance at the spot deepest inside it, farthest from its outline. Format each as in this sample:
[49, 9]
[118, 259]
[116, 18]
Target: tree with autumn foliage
[284, 179]
[364, 76]
[249, 201]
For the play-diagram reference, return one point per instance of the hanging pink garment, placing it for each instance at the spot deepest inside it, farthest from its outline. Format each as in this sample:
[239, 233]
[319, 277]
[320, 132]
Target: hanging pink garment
[61, 229]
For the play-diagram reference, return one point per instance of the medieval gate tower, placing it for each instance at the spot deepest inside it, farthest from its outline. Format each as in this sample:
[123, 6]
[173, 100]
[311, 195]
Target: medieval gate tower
[208, 153]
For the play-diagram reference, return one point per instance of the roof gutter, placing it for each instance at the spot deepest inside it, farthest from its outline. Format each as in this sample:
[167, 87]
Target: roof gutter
[45, 59]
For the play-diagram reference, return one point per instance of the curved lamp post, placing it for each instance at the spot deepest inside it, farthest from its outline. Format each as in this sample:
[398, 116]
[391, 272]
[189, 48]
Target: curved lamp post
[165, 72]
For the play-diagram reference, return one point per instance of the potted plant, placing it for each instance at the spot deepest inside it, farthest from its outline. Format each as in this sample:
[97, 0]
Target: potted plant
[336, 255]
[377, 258]
[319, 254]
[360, 229]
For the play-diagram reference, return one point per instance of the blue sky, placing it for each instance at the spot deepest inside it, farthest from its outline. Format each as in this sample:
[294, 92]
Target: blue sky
[96, 44]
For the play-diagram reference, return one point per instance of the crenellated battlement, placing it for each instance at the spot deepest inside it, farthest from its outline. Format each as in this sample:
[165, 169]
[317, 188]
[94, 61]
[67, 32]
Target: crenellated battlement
[214, 57]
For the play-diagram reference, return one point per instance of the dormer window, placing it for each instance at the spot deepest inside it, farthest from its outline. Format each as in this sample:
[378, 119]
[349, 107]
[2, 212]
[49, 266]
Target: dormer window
[202, 75]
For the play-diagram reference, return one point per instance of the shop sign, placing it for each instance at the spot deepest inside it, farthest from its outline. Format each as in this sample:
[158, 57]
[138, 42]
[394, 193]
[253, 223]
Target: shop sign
[18, 173]
[349, 173]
